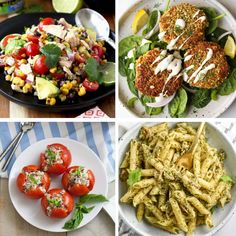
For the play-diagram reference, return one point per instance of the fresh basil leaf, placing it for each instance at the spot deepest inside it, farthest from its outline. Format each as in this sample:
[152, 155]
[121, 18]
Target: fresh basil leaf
[201, 98]
[93, 70]
[52, 53]
[92, 198]
[226, 178]
[85, 209]
[76, 219]
[134, 176]
[14, 44]
[229, 85]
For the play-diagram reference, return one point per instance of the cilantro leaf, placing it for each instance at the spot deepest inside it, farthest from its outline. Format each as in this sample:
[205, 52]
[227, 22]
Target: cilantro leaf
[92, 198]
[52, 53]
[93, 70]
[226, 178]
[134, 176]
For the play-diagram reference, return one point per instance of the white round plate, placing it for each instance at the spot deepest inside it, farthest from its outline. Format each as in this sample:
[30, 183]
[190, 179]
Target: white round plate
[214, 108]
[30, 209]
[220, 216]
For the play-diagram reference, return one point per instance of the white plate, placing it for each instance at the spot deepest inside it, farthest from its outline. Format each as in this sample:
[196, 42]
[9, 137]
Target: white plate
[31, 210]
[214, 108]
[217, 139]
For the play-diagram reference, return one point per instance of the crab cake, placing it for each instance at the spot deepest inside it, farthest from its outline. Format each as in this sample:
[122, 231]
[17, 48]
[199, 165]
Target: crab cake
[182, 26]
[158, 72]
[205, 65]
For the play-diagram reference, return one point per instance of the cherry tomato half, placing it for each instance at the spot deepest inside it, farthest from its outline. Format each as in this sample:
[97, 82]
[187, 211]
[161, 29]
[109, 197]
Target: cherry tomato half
[20, 53]
[57, 203]
[78, 180]
[6, 39]
[58, 75]
[56, 159]
[32, 38]
[45, 21]
[98, 50]
[90, 86]
[33, 182]
[32, 49]
[40, 66]
[79, 58]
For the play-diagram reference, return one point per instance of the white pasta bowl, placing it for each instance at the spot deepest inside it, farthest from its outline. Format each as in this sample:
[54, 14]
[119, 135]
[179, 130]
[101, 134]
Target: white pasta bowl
[220, 216]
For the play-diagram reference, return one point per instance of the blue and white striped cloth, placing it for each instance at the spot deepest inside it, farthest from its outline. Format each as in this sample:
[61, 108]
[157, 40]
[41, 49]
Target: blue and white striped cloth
[100, 137]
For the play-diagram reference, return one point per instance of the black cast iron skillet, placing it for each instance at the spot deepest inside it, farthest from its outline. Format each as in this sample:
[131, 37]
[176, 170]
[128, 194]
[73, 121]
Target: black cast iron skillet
[16, 25]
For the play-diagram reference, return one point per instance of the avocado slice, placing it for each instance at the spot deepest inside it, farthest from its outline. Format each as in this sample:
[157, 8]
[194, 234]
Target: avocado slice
[45, 88]
[92, 34]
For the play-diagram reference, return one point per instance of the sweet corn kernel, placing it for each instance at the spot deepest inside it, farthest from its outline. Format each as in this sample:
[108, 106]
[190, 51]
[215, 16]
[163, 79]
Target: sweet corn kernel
[21, 83]
[82, 91]
[62, 97]
[76, 69]
[69, 85]
[25, 90]
[52, 101]
[48, 101]
[65, 91]
[8, 77]
[28, 86]
[53, 70]
[24, 36]
[16, 80]
[73, 82]
[7, 67]
[65, 86]
[23, 61]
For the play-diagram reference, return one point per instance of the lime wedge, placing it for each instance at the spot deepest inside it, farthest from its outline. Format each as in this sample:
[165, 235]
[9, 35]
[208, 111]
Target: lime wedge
[67, 6]
[230, 47]
[108, 73]
[140, 19]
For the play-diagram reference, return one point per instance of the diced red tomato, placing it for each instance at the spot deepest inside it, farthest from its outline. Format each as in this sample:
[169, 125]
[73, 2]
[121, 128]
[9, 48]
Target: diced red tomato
[90, 86]
[32, 49]
[58, 75]
[32, 38]
[40, 66]
[45, 21]
[98, 50]
[79, 58]
[20, 53]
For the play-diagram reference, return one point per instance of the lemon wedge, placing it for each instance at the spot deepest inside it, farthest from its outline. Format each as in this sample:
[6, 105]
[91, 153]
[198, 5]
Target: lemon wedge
[140, 19]
[230, 47]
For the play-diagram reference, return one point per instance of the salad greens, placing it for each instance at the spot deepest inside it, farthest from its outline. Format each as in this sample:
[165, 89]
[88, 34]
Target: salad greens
[134, 46]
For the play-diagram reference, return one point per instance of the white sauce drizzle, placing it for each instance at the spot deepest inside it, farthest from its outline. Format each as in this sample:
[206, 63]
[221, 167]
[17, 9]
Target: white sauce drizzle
[187, 58]
[196, 13]
[204, 72]
[208, 57]
[164, 64]
[160, 57]
[144, 41]
[131, 53]
[180, 23]
[161, 35]
[131, 66]
[185, 74]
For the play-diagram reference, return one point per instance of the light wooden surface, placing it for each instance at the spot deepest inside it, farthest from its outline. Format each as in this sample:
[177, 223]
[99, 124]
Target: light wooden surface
[13, 110]
[12, 224]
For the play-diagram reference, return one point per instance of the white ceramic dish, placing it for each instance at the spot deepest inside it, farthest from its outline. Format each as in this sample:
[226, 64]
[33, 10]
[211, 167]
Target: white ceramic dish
[31, 210]
[214, 108]
[220, 217]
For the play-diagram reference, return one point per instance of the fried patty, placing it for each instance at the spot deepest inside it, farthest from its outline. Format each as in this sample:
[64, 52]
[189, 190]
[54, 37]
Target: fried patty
[213, 77]
[151, 84]
[194, 30]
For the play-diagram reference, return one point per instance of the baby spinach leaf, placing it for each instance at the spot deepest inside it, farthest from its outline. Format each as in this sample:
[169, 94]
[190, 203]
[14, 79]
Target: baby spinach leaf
[151, 22]
[201, 98]
[177, 107]
[131, 102]
[128, 43]
[229, 85]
